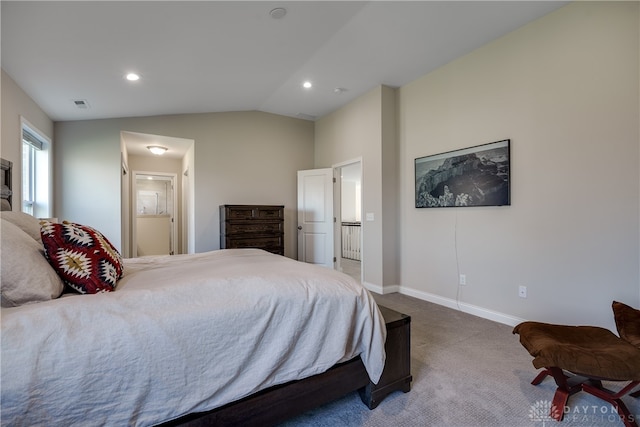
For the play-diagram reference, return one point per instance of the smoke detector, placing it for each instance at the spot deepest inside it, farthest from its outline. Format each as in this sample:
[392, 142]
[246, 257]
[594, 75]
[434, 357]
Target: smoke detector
[278, 13]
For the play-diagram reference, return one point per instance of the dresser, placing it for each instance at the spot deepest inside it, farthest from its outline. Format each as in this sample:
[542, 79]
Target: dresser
[252, 226]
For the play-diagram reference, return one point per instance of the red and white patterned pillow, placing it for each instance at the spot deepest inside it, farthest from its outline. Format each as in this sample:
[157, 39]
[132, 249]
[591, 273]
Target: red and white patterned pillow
[83, 258]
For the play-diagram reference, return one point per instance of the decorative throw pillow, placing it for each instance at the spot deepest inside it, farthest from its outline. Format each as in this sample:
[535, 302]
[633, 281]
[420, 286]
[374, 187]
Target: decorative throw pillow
[26, 276]
[27, 223]
[83, 258]
[627, 322]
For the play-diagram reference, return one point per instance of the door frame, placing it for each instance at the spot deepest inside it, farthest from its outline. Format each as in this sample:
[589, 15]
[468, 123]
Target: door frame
[337, 213]
[125, 208]
[134, 205]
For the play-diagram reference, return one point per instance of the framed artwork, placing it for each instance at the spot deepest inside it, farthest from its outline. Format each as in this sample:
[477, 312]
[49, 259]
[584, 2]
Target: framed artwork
[474, 176]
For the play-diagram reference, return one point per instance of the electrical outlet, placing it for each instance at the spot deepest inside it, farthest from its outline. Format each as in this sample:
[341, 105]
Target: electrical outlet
[522, 291]
[463, 279]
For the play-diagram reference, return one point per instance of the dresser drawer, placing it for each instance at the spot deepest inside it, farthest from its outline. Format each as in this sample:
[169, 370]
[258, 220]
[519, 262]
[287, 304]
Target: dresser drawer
[248, 212]
[249, 227]
[271, 243]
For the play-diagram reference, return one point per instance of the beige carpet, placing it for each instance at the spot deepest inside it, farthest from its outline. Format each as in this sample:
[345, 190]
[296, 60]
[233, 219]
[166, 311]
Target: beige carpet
[351, 267]
[467, 371]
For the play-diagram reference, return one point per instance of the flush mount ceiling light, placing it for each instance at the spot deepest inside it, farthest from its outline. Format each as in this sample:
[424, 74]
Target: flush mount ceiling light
[157, 149]
[307, 85]
[132, 77]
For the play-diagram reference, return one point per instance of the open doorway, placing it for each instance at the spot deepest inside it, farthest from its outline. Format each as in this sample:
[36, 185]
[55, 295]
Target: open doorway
[177, 162]
[350, 201]
[154, 227]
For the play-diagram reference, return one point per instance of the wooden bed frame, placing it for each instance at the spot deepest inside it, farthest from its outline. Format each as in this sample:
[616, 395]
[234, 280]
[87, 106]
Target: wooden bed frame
[279, 403]
[6, 192]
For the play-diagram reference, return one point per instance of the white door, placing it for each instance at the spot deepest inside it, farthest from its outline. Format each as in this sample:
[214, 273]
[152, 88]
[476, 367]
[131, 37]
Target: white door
[315, 217]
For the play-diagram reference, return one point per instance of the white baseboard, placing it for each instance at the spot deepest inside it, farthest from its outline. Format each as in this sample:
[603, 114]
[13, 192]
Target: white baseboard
[461, 306]
[389, 289]
[373, 288]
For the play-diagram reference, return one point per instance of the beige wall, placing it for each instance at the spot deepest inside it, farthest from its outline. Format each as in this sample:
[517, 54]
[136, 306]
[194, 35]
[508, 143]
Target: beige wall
[239, 157]
[367, 129]
[565, 90]
[390, 198]
[362, 130]
[16, 103]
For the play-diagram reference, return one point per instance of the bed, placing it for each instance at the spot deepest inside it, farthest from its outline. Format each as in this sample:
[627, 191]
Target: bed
[6, 168]
[237, 336]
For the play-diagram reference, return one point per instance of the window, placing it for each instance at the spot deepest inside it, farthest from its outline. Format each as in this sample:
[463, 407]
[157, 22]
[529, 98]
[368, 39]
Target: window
[35, 172]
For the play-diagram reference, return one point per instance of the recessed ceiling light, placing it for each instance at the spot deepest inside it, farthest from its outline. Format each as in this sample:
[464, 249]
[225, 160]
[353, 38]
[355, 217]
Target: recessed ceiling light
[339, 90]
[307, 85]
[132, 77]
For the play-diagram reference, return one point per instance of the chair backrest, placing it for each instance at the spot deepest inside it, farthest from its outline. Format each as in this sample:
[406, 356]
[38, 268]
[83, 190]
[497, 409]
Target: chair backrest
[627, 322]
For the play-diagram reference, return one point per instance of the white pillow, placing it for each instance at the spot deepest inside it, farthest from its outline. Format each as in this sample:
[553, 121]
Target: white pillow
[27, 223]
[27, 276]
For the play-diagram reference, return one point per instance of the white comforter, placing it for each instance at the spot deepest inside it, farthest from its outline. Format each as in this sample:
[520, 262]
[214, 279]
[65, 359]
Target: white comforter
[182, 334]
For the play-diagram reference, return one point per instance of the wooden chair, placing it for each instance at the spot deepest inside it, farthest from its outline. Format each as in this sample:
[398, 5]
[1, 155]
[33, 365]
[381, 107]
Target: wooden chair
[579, 358]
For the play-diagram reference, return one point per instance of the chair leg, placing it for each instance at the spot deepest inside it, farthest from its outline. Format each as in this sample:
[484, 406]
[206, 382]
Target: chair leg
[567, 386]
[596, 389]
[541, 376]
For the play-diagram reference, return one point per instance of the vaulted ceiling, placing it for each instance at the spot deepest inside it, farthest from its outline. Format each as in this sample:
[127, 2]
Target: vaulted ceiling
[209, 56]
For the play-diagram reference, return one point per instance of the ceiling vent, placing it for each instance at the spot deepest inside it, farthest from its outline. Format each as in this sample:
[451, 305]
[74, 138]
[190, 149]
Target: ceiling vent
[81, 104]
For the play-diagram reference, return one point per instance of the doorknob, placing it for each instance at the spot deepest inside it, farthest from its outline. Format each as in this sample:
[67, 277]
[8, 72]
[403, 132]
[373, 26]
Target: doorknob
[299, 227]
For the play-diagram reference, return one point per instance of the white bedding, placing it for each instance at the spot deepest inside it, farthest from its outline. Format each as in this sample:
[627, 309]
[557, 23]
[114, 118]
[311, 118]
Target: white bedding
[182, 334]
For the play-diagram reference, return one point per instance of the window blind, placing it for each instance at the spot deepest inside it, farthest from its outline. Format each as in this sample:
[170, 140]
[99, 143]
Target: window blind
[32, 139]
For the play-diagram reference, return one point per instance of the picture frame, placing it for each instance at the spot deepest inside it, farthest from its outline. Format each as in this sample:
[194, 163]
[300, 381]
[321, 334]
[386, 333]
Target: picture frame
[474, 176]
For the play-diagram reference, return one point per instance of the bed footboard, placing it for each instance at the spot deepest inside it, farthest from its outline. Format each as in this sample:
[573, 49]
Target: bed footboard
[397, 369]
[277, 404]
